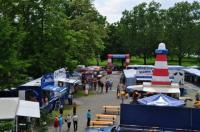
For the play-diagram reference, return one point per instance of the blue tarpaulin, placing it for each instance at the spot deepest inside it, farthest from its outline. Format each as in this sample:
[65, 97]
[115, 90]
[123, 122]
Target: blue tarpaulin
[161, 100]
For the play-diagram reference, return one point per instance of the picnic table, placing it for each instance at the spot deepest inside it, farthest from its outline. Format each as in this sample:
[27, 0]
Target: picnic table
[111, 109]
[95, 123]
[104, 117]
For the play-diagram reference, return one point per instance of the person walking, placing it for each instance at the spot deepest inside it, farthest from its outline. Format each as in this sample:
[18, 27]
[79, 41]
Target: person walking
[75, 122]
[68, 120]
[56, 124]
[89, 116]
[107, 86]
[118, 91]
[60, 123]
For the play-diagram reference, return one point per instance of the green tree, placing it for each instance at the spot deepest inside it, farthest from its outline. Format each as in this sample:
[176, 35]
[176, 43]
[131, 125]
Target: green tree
[179, 29]
[141, 29]
[12, 69]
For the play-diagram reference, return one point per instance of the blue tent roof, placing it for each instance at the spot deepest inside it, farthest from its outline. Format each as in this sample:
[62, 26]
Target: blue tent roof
[161, 100]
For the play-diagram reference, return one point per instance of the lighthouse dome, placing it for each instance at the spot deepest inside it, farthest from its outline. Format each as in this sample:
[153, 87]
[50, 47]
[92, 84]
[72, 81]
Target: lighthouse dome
[161, 46]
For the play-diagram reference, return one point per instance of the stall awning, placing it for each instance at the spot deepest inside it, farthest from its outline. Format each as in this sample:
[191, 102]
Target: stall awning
[55, 89]
[28, 109]
[161, 90]
[12, 107]
[130, 73]
[36, 82]
[67, 80]
[193, 71]
[135, 87]
[8, 108]
[147, 87]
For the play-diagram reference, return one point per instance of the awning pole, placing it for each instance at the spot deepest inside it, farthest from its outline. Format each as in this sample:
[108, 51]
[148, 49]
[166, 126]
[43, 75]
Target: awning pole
[16, 120]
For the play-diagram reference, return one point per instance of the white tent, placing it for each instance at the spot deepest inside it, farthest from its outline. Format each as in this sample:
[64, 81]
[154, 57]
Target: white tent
[12, 107]
[8, 108]
[29, 109]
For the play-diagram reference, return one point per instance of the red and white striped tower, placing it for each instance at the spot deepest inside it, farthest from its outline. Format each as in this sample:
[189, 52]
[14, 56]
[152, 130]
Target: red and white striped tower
[160, 71]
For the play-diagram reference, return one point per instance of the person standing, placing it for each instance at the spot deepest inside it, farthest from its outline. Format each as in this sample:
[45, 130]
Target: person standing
[87, 88]
[60, 123]
[56, 124]
[95, 84]
[89, 116]
[70, 98]
[110, 84]
[68, 120]
[101, 85]
[75, 122]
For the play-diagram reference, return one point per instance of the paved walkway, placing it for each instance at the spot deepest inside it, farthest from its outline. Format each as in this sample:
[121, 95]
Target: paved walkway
[94, 103]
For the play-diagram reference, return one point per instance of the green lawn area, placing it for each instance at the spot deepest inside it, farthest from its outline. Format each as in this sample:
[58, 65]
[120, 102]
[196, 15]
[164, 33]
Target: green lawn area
[81, 93]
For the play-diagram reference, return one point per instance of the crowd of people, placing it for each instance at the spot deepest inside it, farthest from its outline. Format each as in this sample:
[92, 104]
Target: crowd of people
[70, 119]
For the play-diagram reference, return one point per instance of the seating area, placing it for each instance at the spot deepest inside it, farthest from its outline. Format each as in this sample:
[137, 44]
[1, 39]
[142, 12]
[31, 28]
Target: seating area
[111, 109]
[97, 123]
[103, 120]
[103, 117]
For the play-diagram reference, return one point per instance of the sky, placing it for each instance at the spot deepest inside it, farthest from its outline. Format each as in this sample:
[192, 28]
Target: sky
[113, 9]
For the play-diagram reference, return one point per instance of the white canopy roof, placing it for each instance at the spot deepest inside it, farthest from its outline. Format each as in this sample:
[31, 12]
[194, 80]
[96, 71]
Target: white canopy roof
[193, 71]
[10, 107]
[136, 87]
[173, 88]
[130, 73]
[67, 80]
[29, 109]
[147, 87]
[36, 82]
[161, 90]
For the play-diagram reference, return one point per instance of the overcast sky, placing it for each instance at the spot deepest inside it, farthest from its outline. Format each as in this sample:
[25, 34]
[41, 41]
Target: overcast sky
[113, 9]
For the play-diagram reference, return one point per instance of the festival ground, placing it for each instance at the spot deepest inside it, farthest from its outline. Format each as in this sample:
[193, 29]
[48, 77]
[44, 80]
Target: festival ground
[96, 101]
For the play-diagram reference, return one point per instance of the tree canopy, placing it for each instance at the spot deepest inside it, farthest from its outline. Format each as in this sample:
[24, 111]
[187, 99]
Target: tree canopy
[39, 36]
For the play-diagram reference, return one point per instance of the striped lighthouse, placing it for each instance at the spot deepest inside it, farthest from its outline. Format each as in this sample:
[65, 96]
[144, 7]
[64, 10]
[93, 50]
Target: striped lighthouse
[160, 71]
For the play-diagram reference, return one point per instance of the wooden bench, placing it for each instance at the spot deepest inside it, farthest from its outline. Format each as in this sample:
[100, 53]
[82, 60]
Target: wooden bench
[111, 109]
[95, 123]
[103, 117]
[98, 126]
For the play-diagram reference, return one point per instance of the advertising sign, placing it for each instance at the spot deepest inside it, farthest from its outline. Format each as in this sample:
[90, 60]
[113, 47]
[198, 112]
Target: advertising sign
[47, 79]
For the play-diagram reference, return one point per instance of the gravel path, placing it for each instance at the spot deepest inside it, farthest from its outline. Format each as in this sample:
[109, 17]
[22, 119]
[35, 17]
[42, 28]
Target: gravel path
[94, 103]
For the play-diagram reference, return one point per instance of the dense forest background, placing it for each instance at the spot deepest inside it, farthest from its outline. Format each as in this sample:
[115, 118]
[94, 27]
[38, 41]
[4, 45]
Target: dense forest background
[39, 36]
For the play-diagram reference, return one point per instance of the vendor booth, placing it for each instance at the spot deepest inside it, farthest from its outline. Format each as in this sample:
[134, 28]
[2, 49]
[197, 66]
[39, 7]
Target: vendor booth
[13, 108]
[130, 77]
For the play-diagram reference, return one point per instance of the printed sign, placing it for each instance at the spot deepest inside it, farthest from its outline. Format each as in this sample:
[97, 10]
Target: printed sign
[60, 73]
[47, 79]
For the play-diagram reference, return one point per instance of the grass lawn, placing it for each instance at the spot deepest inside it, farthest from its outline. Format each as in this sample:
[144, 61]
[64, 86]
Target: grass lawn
[81, 93]
[151, 61]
